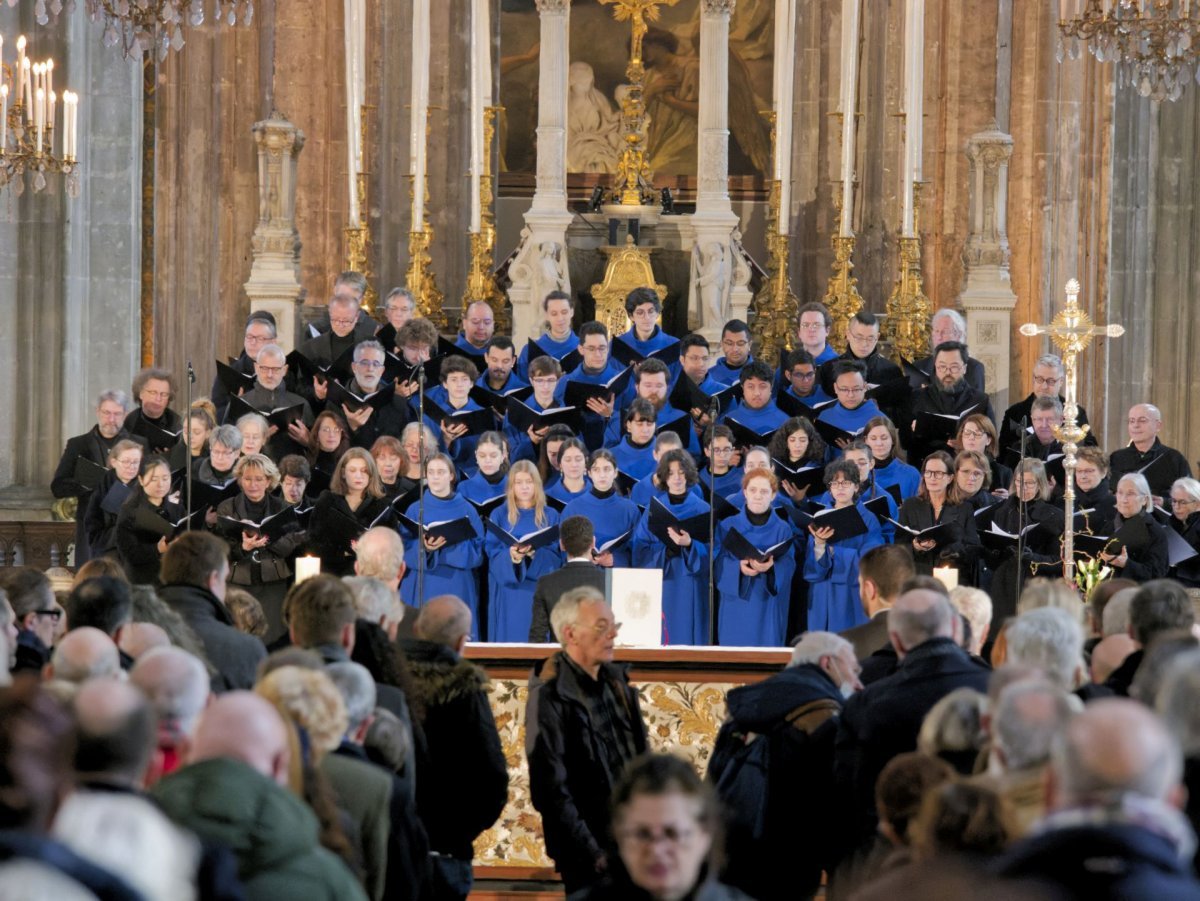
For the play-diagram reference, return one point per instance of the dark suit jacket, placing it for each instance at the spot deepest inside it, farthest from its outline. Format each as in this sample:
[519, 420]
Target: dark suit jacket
[552, 586]
[870, 636]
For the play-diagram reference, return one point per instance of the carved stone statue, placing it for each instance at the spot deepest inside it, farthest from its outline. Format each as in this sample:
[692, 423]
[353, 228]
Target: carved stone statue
[710, 282]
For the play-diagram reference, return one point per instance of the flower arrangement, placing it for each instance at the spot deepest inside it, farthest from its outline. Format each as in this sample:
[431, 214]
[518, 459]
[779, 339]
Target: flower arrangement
[1089, 573]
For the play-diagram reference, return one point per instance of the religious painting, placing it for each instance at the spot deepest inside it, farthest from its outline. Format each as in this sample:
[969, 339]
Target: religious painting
[599, 53]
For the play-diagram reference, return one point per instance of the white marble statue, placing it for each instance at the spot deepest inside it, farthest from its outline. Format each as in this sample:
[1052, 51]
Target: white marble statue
[593, 125]
[710, 282]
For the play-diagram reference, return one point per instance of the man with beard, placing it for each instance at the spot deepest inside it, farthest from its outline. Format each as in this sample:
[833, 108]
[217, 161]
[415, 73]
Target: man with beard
[478, 326]
[384, 414]
[71, 478]
[735, 350]
[652, 378]
[948, 325]
[1048, 379]
[949, 395]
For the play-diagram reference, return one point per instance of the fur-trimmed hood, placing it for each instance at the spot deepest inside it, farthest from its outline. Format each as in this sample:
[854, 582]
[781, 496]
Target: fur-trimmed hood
[439, 675]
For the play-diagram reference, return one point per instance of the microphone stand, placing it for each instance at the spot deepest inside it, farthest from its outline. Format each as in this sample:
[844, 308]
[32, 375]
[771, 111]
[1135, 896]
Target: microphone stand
[187, 445]
[712, 518]
[1020, 518]
[420, 595]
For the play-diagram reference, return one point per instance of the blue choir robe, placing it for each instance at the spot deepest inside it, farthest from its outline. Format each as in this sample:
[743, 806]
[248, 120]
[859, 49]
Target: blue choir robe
[834, 604]
[685, 573]
[709, 385]
[850, 420]
[512, 383]
[643, 491]
[614, 432]
[754, 610]
[634, 461]
[657, 341]
[519, 445]
[763, 420]
[724, 485]
[511, 585]
[449, 570]
[725, 374]
[556, 349]
[817, 398]
[478, 489]
[869, 494]
[610, 516]
[557, 490]
[897, 472]
[593, 424]
[467, 347]
[824, 357]
[462, 451]
[435, 393]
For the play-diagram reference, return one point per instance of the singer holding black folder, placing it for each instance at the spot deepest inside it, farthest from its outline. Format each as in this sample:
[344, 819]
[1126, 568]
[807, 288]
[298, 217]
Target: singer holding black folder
[831, 558]
[353, 503]
[611, 515]
[258, 558]
[515, 569]
[938, 503]
[544, 375]
[112, 490]
[1142, 554]
[448, 565]
[754, 569]
[140, 549]
[662, 542]
[558, 341]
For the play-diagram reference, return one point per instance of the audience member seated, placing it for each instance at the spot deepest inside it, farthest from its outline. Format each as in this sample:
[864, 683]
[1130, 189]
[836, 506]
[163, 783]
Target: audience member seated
[1157, 608]
[953, 729]
[178, 687]
[84, 653]
[39, 618]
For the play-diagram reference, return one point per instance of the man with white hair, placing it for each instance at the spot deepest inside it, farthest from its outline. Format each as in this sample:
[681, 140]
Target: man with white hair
[948, 325]
[269, 393]
[976, 607]
[82, 654]
[379, 554]
[1049, 377]
[583, 723]
[178, 687]
[138, 638]
[1145, 453]
[1051, 640]
[774, 755]
[1114, 829]
[884, 719]
[1028, 716]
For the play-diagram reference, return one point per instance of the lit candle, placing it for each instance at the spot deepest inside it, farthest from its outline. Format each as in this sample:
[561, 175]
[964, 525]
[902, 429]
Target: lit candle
[420, 106]
[914, 102]
[307, 567]
[40, 116]
[48, 66]
[21, 73]
[849, 96]
[50, 116]
[947, 575]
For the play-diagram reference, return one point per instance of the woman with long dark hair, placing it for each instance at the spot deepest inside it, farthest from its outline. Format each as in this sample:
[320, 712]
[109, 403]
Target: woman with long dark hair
[139, 545]
[328, 439]
[891, 473]
[938, 502]
[353, 503]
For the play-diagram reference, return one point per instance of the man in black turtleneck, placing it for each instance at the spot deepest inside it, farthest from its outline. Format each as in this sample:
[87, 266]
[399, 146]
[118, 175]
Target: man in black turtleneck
[269, 394]
[326, 348]
[949, 393]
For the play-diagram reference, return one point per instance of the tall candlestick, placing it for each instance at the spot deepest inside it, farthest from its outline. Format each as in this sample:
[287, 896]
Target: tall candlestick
[914, 103]
[849, 102]
[481, 98]
[355, 47]
[420, 107]
[21, 71]
[27, 92]
[49, 68]
[39, 116]
[785, 44]
[3, 117]
[50, 116]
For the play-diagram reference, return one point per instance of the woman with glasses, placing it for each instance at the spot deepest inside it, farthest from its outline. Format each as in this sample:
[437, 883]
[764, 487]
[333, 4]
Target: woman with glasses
[449, 569]
[754, 593]
[720, 474]
[140, 545]
[113, 489]
[328, 440]
[684, 558]
[831, 567]
[973, 476]
[1041, 553]
[514, 571]
[1139, 546]
[892, 474]
[1095, 504]
[258, 562]
[353, 503]
[977, 433]
[1185, 520]
[938, 502]
[544, 375]
[610, 514]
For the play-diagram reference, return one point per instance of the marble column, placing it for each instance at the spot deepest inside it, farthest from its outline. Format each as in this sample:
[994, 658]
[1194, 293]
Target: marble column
[987, 297]
[274, 283]
[713, 296]
[544, 238]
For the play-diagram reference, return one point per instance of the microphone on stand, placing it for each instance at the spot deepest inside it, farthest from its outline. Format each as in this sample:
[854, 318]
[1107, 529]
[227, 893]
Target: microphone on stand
[420, 595]
[713, 410]
[187, 444]
[1020, 515]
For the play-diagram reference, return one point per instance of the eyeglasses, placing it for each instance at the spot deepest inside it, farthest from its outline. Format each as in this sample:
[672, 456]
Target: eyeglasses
[594, 348]
[548, 381]
[369, 364]
[973, 433]
[257, 339]
[805, 376]
[329, 430]
[949, 369]
[735, 344]
[647, 838]
[936, 474]
[1045, 383]
[812, 326]
[604, 628]
[55, 615]
[344, 323]
[841, 483]
[841, 389]
[270, 370]
[1183, 502]
[722, 451]
[645, 314]
[161, 395]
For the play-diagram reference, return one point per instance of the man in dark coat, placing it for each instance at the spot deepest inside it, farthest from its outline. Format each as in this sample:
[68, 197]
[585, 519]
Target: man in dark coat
[194, 570]
[1145, 453]
[462, 779]
[773, 757]
[949, 394]
[1048, 380]
[260, 331]
[882, 572]
[153, 422]
[269, 394]
[583, 724]
[1159, 607]
[1114, 828]
[883, 720]
[577, 537]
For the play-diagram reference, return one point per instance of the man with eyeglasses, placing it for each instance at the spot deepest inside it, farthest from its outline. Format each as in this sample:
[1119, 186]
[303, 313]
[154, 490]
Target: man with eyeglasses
[260, 331]
[862, 346]
[399, 309]
[646, 337]
[348, 289]
[1145, 453]
[39, 618]
[812, 331]
[735, 353]
[948, 325]
[597, 368]
[153, 421]
[583, 725]
[948, 395]
[852, 411]
[388, 416]
[347, 326]
[1048, 380]
[269, 393]
[1045, 415]
[802, 380]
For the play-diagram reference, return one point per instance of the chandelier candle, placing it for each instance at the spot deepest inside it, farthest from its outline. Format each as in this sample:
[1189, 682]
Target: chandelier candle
[481, 99]
[355, 40]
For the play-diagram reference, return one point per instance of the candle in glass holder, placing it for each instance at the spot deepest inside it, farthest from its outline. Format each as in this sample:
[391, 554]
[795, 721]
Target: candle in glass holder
[307, 567]
[947, 575]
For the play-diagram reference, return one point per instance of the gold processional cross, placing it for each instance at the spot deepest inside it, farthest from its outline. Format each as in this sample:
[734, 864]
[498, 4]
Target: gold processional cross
[1071, 331]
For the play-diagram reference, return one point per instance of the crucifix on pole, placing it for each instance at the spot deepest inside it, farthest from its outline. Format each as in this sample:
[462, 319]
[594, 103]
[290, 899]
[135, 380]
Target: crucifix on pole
[1072, 331]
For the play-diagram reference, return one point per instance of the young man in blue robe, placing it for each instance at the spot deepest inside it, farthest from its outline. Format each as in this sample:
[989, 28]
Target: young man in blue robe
[457, 376]
[735, 350]
[647, 337]
[852, 411]
[558, 341]
[597, 368]
[651, 380]
[756, 412]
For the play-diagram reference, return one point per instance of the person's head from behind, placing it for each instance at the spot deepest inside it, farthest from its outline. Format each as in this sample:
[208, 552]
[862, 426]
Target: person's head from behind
[32, 599]
[116, 727]
[835, 657]
[577, 536]
[84, 653]
[902, 783]
[104, 603]
[1050, 639]
[37, 749]
[1050, 593]
[583, 623]
[881, 573]
[177, 685]
[1115, 747]
[198, 559]
[1026, 719]
[961, 818]
[1115, 620]
[918, 616]
[665, 821]
[1161, 605]
[445, 620]
[379, 554]
[976, 607]
[953, 729]
[320, 611]
[1099, 598]
[245, 727]
[353, 681]
[310, 700]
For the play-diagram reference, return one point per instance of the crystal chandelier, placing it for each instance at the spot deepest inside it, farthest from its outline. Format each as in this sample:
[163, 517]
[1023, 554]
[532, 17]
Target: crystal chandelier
[29, 111]
[140, 25]
[1152, 42]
